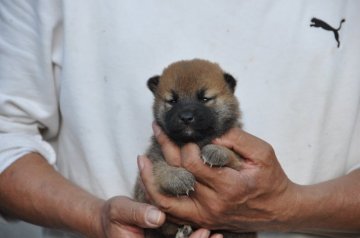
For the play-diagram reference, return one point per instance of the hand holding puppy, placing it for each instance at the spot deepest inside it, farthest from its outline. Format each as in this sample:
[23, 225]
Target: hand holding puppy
[258, 197]
[251, 199]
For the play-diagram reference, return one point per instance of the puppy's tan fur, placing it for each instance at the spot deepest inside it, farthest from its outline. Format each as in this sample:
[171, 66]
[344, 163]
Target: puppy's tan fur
[194, 102]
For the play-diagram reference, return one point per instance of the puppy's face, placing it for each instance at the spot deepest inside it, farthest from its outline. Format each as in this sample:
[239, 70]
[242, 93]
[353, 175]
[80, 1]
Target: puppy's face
[194, 101]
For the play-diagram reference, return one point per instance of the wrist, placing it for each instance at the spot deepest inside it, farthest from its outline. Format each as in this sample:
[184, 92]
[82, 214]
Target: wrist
[310, 208]
[289, 207]
[94, 225]
[301, 208]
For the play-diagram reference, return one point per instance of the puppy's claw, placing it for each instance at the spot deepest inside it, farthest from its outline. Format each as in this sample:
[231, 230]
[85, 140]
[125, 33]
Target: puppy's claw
[184, 232]
[190, 190]
[204, 159]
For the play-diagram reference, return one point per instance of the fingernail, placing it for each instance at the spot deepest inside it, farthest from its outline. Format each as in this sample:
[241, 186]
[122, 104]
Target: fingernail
[205, 234]
[216, 140]
[153, 216]
[140, 162]
[156, 129]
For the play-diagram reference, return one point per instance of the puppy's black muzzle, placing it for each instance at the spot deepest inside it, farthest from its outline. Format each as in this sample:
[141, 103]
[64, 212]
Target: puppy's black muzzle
[189, 122]
[187, 117]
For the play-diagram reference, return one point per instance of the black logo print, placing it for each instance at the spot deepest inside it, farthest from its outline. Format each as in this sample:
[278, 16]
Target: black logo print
[320, 23]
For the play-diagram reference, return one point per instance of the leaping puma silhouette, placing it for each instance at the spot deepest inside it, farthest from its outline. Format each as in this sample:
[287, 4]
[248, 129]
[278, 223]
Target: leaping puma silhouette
[320, 23]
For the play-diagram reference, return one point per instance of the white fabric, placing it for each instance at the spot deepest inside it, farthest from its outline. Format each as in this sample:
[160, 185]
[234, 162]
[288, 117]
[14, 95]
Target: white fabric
[75, 73]
[16, 145]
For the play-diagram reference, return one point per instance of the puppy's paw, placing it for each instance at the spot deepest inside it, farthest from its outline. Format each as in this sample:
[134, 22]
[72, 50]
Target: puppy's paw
[179, 182]
[215, 155]
[184, 232]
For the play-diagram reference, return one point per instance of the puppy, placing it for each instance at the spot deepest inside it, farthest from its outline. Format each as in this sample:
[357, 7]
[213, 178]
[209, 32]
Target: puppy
[194, 102]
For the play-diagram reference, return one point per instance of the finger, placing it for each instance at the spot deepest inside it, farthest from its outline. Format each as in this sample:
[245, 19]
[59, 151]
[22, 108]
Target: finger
[191, 161]
[121, 230]
[246, 145]
[127, 211]
[175, 206]
[170, 150]
[200, 233]
[204, 233]
[217, 236]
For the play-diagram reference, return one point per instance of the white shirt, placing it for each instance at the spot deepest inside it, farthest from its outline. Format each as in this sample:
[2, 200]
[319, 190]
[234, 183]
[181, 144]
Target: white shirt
[73, 81]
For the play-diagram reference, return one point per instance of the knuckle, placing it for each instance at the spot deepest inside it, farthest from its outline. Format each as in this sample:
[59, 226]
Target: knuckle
[137, 215]
[110, 207]
[162, 139]
[189, 163]
[165, 208]
[163, 205]
[267, 150]
[264, 151]
[171, 154]
[268, 147]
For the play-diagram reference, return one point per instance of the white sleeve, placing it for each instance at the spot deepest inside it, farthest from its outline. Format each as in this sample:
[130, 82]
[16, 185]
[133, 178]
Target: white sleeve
[29, 113]
[16, 145]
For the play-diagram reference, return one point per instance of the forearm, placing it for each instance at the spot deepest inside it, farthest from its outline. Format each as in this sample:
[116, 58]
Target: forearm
[33, 191]
[330, 208]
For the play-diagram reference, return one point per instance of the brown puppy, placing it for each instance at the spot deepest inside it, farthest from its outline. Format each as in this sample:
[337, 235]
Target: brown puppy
[194, 102]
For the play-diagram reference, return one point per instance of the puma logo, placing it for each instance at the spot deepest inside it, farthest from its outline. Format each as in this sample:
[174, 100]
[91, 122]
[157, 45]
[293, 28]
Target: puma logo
[320, 23]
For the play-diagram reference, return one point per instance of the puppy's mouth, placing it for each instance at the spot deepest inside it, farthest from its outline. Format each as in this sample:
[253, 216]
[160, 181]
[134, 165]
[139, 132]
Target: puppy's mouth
[186, 134]
[188, 131]
[181, 133]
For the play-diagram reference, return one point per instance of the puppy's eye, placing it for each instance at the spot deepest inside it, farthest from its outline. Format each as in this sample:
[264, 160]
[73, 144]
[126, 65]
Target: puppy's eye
[205, 99]
[201, 96]
[172, 98]
[172, 101]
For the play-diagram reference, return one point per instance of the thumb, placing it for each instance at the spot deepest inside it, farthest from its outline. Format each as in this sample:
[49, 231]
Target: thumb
[129, 212]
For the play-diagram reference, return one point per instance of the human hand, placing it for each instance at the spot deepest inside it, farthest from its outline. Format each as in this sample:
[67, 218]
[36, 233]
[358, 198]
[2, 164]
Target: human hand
[122, 217]
[258, 197]
[204, 233]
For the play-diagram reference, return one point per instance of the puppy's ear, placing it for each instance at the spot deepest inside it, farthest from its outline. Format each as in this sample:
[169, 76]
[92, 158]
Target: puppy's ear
[153, 82]
[231, 81]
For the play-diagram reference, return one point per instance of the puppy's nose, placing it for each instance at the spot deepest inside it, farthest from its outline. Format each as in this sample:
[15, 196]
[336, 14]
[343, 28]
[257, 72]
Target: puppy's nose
[187, 117]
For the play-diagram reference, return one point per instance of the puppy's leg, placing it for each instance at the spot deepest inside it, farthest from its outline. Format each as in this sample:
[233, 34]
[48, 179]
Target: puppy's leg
[216, 155]
[174, 181]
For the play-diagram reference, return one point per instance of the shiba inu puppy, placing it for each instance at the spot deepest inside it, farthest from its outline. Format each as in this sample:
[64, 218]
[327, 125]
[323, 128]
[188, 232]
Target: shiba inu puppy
[194, 103]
